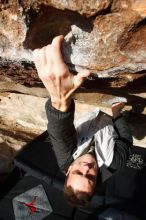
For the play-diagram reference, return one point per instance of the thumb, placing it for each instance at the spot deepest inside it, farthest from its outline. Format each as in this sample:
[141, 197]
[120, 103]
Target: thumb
[80, 78]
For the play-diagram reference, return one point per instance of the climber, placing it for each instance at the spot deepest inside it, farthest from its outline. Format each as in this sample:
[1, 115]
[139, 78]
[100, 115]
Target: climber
[81, 158]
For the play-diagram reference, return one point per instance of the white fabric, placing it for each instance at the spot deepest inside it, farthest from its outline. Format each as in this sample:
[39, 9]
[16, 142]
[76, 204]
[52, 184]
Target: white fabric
[100, 126]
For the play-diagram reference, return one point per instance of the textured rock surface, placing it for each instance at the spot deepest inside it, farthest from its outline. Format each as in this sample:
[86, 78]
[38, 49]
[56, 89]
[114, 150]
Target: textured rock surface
[19, 124]
[109, 49]
[109, 44]
[106, 36]
[12, 31]
[84, 7]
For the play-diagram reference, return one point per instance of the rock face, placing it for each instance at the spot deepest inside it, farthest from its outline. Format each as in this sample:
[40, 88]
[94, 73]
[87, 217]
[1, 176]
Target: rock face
[84, 7]
[108, 37]
[111, 42]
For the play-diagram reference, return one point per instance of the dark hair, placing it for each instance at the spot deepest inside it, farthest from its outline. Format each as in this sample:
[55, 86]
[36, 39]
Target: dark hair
[76, 198]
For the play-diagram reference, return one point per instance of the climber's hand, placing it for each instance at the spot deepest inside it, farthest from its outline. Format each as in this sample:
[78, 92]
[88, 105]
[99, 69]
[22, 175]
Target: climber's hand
[55, 75]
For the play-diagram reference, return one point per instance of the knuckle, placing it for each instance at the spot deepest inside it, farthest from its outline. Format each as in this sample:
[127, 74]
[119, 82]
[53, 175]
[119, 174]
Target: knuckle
[60, 71]
[48, 74]
[40, 74]
[62, 74]
[48, 48]
[59, 74]
[51, 77]
[42, 51]
[35, 54]
[55, 40]
[53, 50]
[35, 51]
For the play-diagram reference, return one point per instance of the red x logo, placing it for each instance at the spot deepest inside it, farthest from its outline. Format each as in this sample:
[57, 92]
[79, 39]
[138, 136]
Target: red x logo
[31, 205]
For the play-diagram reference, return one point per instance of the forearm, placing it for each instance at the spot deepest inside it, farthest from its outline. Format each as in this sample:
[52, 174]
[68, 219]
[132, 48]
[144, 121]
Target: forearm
[61, 131]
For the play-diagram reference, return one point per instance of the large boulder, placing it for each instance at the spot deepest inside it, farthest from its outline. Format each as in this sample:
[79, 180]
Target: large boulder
[110, 43]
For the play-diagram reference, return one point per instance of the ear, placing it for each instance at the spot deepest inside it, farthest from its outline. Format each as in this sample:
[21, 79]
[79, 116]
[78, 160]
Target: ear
[69, 169]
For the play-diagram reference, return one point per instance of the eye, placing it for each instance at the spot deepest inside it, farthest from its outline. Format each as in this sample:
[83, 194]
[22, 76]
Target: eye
[78, 172]
[90, 177]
